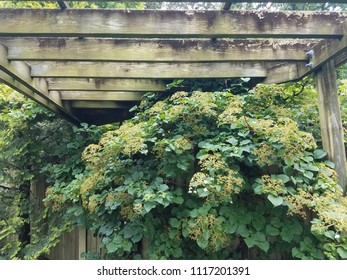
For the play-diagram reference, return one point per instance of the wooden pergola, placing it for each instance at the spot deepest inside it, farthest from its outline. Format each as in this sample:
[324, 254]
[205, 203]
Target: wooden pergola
[88, 63]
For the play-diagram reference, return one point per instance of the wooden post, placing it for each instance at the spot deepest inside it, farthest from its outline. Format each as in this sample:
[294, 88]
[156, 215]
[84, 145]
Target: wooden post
[82, 241]
[330, 121]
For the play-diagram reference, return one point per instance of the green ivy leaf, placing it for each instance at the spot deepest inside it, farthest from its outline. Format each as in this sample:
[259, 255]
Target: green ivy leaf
[202, 242]
[330, 234]
[272, 231]
[136, 238]
[318, 154]
[175, 223]
[128, 231]
[230, 228]
[342, 252]
[275, 200]
[148, 206]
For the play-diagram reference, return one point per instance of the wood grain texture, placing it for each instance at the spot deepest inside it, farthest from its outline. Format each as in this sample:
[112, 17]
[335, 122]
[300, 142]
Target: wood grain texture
[101, 95]
[17, 75]
[330, 121]
[101, 84]
[146, 70]
[87, 49]
[172, 24]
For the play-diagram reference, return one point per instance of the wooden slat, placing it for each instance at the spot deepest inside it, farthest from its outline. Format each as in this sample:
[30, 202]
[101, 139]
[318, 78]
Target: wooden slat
[101, 95]
[173, 24]
[341, 59]
[323, 52]
[284, 72]
[155, 50]
[90, 84]
[147, 70]
[17, 75]
[99, 104]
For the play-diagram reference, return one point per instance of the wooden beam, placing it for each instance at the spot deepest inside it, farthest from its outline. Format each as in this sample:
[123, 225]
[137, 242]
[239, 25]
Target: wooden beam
[101, 95]
[17, 75]
[90, 84]
[79, 104]
[323, 52]
[284, 72]
[155, 50]
[147, 70]
[328, 50]
[172, 24]
[330, 121]
[341, 59]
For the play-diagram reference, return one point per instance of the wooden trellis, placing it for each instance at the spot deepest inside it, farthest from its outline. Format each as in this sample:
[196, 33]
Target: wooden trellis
[83, 63]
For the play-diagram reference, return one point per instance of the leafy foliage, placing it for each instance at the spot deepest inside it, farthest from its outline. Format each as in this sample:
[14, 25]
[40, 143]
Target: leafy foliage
[205, 175]
[34, 143]
[213, 175]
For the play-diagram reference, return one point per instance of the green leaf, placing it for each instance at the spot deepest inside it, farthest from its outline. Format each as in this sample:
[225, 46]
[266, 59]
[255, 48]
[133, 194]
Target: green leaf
[202, 243]
[330, 164]
[202, 192]
[148, 206]
[283, 177]
[232, 140]
[194, 213]
[318, 154]
[272, 231]
[342, 252]
[275, 200]
[243, 231]
[163, 188]
[330, 234]
[185, 233]
[136, 238]
[265, 246]
[175, 223]
[128, 231]
[258, 223]
[230, 228]
[308, 174]
[250, 242]
[177, 253]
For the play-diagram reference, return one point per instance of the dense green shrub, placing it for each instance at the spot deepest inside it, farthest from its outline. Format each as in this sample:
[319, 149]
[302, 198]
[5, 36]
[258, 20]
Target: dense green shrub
[202, 175]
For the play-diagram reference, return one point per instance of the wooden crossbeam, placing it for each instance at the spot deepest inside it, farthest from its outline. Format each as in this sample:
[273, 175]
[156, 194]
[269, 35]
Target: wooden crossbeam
[90, 84]
[101, 95]
[155, 50]
[46, 69]
[323, 52]
[82, 104]
[17, 75]
[173, 24]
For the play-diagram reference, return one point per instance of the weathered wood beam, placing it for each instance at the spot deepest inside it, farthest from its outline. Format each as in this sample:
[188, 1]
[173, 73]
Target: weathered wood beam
[172, 24]
[330, 120]
[80, 104]
[17, 75]
[101, 95]
[323, 52]
[90, 84]
[147, 70]
[341, 59]
[284, 72]
[155, 50]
